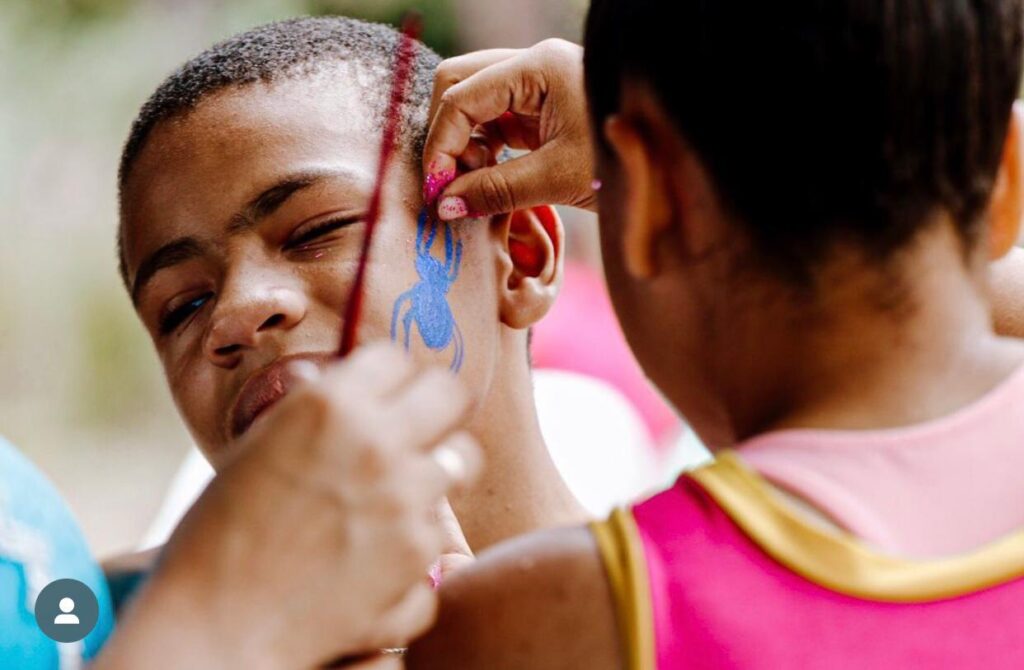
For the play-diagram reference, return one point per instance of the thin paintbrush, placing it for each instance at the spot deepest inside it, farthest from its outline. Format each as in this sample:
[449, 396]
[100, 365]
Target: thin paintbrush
[411, 26]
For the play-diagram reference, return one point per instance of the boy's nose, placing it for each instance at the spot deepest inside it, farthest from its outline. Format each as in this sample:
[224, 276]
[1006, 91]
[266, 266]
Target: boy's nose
[243, 322]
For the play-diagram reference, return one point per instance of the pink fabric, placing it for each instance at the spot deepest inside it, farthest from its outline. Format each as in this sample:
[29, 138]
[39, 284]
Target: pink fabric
[721, 602]
[580, 334]
[935, 489]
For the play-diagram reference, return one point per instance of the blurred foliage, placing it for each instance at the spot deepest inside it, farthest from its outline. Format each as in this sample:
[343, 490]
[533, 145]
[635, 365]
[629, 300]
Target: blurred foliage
[56, 14]
[115, 363]
[438, 25]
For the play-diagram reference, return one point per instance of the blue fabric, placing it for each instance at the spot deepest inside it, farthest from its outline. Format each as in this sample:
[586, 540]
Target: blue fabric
[40, 542]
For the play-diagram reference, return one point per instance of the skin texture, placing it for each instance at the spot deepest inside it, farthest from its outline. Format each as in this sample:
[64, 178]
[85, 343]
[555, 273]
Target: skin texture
[737, 350]
[270, 300]
[538, 602]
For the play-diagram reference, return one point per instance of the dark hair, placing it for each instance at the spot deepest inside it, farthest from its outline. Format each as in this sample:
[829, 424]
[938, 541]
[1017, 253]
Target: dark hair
[286, 50]
[824, 120]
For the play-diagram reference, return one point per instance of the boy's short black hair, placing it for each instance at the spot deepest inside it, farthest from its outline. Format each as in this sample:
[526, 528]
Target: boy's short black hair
[823, 121]
[286, 50]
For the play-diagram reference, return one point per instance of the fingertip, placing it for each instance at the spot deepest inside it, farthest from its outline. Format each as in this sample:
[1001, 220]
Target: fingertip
[371, 352]
[378, 367]
[439, 174]
[474, 459]
[452, 207]
[461, 457]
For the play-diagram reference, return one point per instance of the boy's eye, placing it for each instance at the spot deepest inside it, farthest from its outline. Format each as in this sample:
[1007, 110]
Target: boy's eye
[179, 314]
[307, 234]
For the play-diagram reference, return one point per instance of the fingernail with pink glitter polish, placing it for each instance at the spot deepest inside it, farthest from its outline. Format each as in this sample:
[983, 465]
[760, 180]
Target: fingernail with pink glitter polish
[451, 208]
[435, 182]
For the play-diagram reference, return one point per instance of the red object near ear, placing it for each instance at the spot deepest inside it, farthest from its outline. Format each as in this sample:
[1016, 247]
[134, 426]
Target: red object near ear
[411, 29]
[525, 256]
[546, 215]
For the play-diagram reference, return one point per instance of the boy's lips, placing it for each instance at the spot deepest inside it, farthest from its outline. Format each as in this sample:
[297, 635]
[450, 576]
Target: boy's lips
[267, 386]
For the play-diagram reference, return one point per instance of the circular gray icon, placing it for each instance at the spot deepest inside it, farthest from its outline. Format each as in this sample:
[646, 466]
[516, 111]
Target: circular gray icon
[66, 610]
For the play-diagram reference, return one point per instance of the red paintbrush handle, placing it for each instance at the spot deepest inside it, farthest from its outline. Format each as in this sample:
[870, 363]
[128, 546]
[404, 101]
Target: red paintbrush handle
[403, 69]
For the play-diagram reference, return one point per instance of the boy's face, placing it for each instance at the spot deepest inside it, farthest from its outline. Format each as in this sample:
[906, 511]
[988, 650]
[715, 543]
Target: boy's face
[243, 226]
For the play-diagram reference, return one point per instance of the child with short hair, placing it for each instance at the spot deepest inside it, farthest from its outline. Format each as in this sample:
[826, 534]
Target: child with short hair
[243, 188]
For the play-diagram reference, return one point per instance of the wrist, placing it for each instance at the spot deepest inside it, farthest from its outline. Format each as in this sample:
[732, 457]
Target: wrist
[175, 622]
[158, 630]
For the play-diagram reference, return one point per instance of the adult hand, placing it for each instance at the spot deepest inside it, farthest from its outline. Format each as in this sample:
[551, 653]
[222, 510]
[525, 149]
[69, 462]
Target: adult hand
[521, 98]
[314, 541]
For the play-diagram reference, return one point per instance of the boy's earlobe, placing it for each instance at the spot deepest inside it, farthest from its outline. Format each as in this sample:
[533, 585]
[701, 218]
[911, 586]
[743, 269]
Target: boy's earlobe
[532, 268]
[1007, 205]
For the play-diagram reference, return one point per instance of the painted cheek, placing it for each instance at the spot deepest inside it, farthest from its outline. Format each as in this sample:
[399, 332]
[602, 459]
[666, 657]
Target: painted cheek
[423, 310]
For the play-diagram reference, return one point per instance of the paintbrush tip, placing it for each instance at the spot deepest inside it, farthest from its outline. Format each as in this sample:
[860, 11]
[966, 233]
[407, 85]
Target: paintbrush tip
[412, 24]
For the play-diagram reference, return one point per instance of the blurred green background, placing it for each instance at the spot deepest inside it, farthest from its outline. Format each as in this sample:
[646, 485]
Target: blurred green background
[82, 392]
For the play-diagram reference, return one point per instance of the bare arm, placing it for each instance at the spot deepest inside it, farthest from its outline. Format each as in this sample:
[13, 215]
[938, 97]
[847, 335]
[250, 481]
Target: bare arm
[540, 601]
[1008, 294]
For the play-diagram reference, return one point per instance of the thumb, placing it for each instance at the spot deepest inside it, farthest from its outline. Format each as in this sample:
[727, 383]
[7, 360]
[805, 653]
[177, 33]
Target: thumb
[455, 550]
[453, 539]
[542, 177]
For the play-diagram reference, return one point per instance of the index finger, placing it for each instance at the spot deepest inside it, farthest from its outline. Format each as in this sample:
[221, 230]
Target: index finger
[449, 73]
[452, 71]
[482, 97]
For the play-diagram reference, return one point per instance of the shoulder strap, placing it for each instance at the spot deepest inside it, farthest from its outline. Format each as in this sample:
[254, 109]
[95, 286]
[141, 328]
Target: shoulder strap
[618, 541]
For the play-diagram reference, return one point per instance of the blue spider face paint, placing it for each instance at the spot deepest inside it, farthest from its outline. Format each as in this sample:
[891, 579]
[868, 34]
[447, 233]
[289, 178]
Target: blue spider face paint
[425, 305]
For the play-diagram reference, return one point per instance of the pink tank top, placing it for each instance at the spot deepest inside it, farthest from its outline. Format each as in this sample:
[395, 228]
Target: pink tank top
[718, 572]
[932, 489]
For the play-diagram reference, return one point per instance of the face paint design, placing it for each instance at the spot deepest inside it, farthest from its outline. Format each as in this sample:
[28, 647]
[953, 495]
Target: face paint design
[426, 303]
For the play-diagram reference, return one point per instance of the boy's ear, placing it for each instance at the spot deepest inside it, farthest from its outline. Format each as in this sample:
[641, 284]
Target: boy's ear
[531, 264]
[1007, 204]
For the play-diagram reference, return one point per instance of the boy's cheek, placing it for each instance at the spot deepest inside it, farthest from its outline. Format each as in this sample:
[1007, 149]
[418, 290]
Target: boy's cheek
[200, 407]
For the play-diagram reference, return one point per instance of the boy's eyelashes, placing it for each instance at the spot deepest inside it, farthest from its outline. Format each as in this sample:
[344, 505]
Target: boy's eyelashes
[177, 315]
[306, 234]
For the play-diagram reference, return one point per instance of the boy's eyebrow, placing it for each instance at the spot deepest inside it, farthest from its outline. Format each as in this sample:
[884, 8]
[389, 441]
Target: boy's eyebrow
[263, 205]
[172, 253]
[270, 199]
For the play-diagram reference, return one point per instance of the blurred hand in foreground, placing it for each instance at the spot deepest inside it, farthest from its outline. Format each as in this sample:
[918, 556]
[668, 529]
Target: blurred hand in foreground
[314, 541]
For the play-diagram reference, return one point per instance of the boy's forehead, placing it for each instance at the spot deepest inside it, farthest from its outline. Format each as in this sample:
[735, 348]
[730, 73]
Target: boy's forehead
[205, 165]
[303, 111]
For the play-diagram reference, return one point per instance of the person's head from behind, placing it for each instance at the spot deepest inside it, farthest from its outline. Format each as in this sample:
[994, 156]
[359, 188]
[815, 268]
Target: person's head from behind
[244, 184]
[762, 154]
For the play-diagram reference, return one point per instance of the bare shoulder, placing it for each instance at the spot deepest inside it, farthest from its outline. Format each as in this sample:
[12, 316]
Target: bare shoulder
[540, 601]
[136, 561]
[126, 572]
